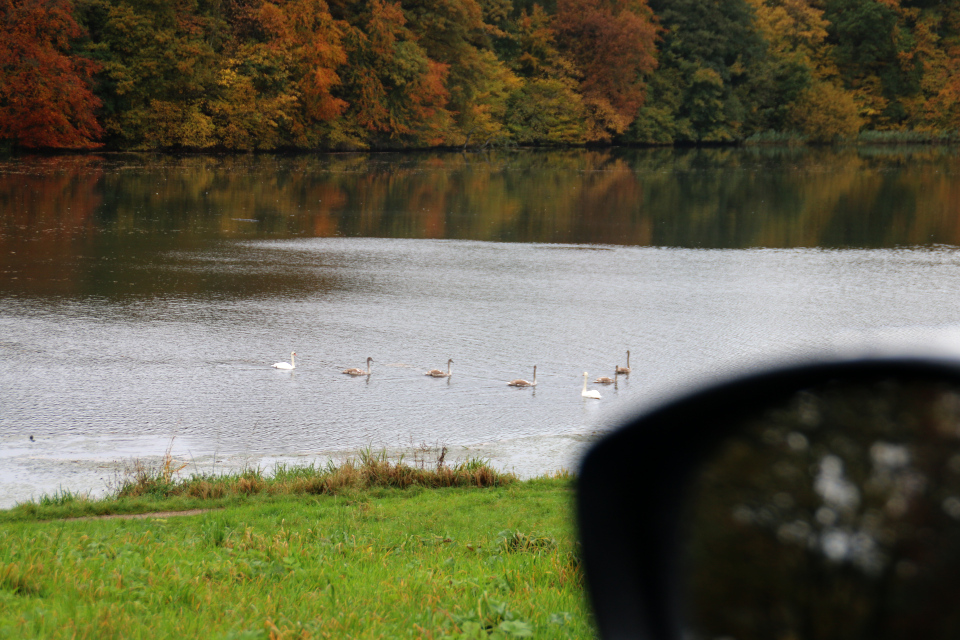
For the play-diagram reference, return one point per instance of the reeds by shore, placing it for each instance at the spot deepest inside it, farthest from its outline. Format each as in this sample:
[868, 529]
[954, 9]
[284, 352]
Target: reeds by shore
[368, 469]
[144, 483]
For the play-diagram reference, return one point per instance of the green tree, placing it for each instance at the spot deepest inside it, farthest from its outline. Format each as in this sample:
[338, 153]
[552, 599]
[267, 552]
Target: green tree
[547, 107]
[711, 57]
[159, 67]
[872, 46]
[546, 111]
[454, 33]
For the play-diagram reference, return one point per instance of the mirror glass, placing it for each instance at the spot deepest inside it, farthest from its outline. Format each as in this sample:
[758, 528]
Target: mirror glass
[835, 515]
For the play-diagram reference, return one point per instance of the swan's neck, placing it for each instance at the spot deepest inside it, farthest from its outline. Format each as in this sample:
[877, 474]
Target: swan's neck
[292, 362]
[584, 382]
[448, 368]
[534, 375]
[628, 359]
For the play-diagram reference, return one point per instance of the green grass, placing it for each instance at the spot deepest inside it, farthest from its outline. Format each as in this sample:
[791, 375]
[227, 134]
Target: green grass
[381, 553]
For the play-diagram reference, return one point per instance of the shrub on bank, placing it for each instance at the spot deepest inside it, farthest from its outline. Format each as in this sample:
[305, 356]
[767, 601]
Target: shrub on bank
[153, 486]
[368, 470]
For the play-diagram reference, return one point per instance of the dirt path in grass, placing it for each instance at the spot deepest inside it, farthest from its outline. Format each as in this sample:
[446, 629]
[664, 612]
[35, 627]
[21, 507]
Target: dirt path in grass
[144, 516]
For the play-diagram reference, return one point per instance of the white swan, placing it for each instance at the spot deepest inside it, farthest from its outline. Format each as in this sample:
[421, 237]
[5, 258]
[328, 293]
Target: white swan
[359, 372]
[625, 369]
[287, 365]
[524, 383]
[607, 380]
[437, 373]
[589, 394]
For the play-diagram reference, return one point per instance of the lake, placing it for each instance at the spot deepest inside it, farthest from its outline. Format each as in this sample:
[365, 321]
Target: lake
[143, 298]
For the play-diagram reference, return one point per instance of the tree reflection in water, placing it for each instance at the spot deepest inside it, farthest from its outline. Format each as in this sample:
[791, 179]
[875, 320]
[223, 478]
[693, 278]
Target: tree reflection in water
[837, 516]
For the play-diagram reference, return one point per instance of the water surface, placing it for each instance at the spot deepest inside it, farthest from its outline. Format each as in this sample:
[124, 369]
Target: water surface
[143, 298]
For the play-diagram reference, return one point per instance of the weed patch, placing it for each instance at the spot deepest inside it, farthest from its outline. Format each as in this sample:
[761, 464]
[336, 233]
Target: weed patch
[367, 470]
[518, 542]
[16, 579]
[491, 619]
[155, 487]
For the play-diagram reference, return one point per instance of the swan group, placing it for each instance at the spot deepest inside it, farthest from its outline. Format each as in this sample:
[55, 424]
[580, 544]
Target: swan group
[438, 373]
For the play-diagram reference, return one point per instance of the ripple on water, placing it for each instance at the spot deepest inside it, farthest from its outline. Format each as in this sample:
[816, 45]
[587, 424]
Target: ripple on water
[105, 379]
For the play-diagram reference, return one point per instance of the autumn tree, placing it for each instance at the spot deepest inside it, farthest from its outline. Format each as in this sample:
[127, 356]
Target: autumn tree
[612, 42]
[937, 34]
[396, 93]
[278, 74]
[825, 112]
[812, 100]
[45, 94]
[272, 74]
[304, 40]
[245, 74]
[307, 31]
[257, 105]
[454, 34]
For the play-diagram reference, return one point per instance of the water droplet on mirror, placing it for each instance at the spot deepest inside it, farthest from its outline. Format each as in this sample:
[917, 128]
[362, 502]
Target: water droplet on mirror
[906, 569]
[784, 500]
[891, 456]
[797, 441]
[952, 507]
[826, 516]
[835, 545]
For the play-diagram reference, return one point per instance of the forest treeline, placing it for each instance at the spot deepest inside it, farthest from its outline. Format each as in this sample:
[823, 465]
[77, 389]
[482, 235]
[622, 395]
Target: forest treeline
[375, 74]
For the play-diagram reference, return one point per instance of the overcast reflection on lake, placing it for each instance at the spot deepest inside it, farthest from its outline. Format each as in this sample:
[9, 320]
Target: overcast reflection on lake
[145, 297]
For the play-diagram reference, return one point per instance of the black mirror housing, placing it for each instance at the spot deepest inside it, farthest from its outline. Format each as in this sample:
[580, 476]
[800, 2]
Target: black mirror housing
[632, 486]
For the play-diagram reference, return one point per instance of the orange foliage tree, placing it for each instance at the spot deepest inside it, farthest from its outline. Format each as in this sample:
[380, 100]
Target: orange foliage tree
[306, 41]
[278, 85]
[613, 42]
[308, 31]
[45, 95]
[938, 42]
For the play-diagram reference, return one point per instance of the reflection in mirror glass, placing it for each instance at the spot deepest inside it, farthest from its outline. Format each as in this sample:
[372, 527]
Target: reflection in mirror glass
[836, 515]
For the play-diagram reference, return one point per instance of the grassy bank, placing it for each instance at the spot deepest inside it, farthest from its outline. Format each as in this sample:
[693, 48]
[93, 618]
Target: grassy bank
[367, 549]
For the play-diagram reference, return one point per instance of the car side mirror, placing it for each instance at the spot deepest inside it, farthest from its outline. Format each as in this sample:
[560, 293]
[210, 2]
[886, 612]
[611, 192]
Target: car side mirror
[810, 503]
